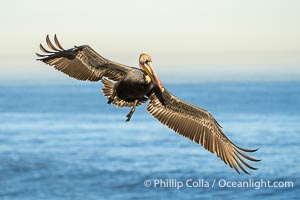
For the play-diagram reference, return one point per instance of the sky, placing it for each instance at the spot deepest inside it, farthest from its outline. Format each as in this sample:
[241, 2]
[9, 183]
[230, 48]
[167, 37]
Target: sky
[189, 41]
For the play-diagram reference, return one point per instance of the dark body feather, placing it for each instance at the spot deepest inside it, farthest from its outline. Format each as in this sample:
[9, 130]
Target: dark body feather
[134, 86]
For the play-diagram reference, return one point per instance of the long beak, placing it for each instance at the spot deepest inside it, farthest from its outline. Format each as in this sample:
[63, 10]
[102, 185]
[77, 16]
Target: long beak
[152, 74]
[148, 71]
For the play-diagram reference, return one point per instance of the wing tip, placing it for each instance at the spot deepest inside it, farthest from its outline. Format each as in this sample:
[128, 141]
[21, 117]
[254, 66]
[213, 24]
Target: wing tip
[56, 48]
[239, 155]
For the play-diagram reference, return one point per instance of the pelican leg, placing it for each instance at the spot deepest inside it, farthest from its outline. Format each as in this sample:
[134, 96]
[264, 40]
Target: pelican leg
[129, 115]
[112, 97]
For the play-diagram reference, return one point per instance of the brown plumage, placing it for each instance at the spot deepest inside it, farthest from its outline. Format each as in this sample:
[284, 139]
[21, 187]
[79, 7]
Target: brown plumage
[126, 86]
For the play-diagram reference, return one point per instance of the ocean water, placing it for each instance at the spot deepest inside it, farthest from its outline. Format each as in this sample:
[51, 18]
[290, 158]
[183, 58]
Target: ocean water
[62, 141]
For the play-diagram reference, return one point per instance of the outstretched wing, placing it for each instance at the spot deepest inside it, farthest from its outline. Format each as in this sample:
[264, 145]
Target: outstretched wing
[198, 125]
[82, 63]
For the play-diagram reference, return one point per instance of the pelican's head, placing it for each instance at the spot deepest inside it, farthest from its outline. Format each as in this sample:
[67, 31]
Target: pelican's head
[145, 63]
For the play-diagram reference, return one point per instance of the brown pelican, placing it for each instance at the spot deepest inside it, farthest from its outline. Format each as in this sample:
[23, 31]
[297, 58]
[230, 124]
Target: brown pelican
[126, 86]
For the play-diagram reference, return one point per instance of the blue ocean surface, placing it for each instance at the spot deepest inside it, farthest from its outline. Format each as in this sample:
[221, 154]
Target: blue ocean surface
[63, 141]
